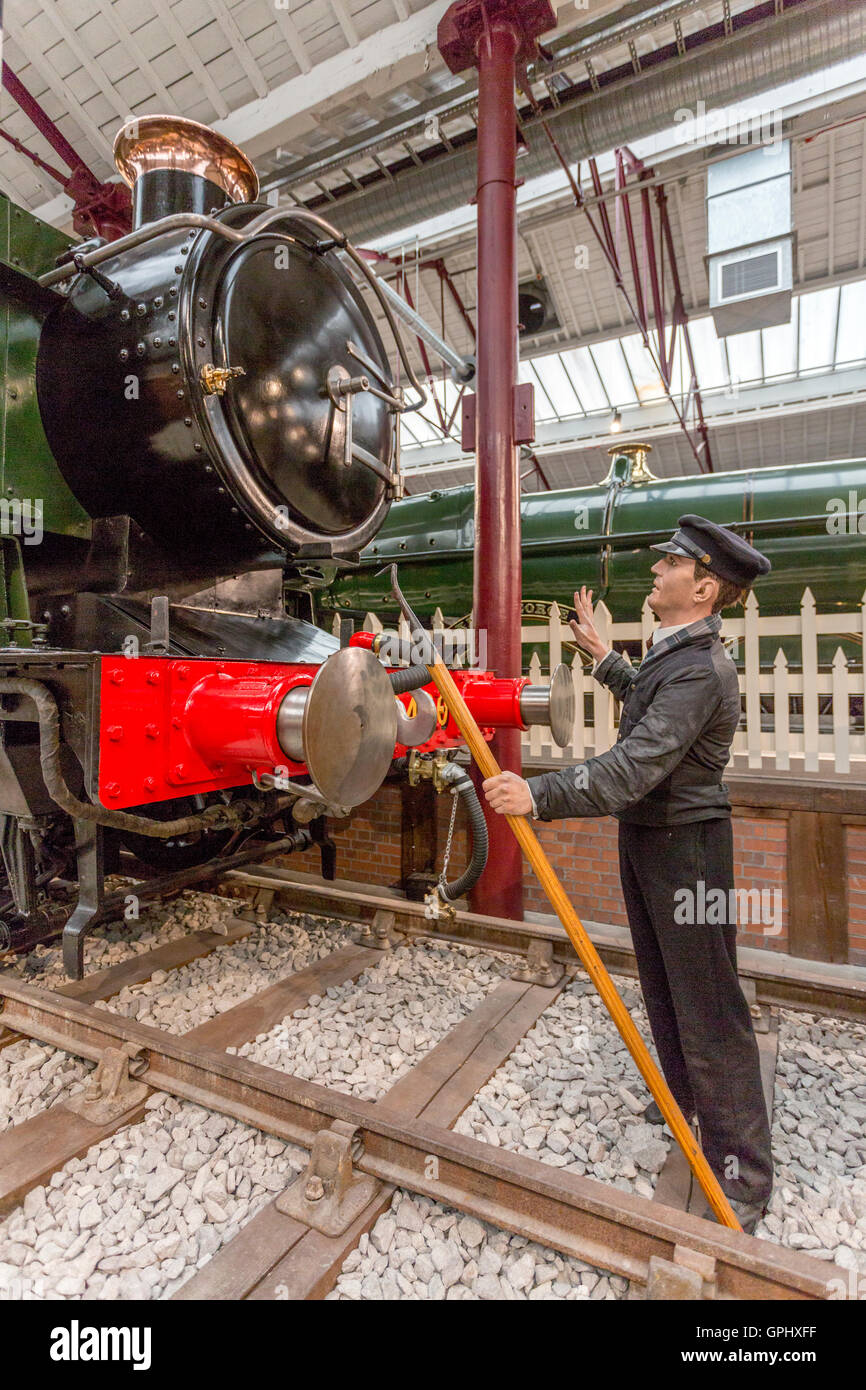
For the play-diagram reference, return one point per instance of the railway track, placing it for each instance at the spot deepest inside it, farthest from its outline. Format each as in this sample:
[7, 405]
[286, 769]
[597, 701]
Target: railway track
[771, 979]
[359, 1150]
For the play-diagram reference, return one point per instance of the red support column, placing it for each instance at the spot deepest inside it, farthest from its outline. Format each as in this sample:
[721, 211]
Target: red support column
[496, 35]
[497, 582]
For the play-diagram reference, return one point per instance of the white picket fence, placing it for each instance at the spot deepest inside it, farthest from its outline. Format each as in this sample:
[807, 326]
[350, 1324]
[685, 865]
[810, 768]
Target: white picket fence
[827, 739]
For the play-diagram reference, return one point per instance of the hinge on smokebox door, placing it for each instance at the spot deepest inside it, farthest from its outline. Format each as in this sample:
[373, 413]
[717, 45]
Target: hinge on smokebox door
[330, 1195]
[110, 1091]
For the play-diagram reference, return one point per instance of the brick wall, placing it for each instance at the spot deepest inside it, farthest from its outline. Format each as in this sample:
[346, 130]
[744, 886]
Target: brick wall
[584, 855]
[857, 893]
[761, 862]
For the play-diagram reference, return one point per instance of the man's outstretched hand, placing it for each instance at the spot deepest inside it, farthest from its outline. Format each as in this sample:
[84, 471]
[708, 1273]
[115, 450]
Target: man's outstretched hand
[584, 627]
[508, 794]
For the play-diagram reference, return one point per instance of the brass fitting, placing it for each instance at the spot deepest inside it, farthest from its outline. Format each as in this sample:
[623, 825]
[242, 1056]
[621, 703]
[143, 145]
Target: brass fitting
[214, 380]
[436, 909]
[423, 768]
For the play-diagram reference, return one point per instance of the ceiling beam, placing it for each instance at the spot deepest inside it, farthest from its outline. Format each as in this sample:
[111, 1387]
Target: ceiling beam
[133, 47]
[70, 37]
[198, 69]
[376, 63]
[239, 46]
[346, 22]
[53, 83]
[292, 35]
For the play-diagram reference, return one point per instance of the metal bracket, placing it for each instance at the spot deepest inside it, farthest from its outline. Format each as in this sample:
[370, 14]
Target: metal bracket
[111, 1092]
[539, 968]
[254, 911]
[270, 782]
[330, 1195]
[160, 626]
[380, 934]
[523, 412]
[342, 388]
[37, 631]
[422, 767]
[760, 1012]
[689, 1276]
[436, 909]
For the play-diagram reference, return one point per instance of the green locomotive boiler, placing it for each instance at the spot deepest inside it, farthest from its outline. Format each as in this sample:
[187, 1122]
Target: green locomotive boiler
[809, 519]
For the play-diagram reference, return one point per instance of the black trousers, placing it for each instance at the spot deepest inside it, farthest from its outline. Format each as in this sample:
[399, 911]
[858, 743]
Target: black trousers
[698, 1014]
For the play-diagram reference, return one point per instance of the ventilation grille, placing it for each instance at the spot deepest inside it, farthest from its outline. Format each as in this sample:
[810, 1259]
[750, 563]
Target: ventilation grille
[750, 276]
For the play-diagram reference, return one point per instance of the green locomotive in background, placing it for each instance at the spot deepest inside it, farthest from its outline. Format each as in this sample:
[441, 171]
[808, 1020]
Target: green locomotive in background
[809, 519]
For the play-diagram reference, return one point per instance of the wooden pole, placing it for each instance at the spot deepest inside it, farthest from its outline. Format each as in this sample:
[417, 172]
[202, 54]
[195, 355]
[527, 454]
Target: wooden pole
[529, 843]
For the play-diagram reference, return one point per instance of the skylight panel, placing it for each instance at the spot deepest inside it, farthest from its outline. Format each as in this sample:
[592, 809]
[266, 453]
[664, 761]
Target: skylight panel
[818, 328]
[407, 437]
[543, 407]
[611, 365]
[851, 342]
[424, 432]
[780, 346]
[587, 382]
[555, 380]
[744, 356]
[451, 392]
[648, 383]
[709, 358]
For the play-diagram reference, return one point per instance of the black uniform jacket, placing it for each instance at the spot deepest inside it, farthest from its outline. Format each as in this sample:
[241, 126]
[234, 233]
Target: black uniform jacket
[679, 713]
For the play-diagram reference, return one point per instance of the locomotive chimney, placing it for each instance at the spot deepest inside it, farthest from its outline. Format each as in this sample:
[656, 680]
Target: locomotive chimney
[176, 165]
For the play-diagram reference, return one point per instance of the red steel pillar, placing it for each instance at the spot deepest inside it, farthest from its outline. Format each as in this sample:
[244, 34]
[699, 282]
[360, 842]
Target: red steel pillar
[496, 35]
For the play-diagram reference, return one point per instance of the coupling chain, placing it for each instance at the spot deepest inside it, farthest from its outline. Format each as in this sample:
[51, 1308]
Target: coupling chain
[443, 875]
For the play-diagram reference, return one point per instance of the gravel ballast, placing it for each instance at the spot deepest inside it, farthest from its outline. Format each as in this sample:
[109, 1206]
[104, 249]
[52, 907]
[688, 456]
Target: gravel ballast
[181, 999]
[362, 1036]
[146, 1208]
[34, 1076]
[143, 1210]
[819, 1143]
[117, 941]
[421, 1249]
[569, 1095]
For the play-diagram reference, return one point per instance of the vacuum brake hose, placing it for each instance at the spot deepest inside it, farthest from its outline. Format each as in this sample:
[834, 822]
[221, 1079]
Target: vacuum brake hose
[459, 779]
[408, 678]
[214, 817]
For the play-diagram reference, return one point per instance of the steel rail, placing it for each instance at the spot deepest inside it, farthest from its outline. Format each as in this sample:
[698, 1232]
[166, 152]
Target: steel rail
[576, 1215]
[780, 980]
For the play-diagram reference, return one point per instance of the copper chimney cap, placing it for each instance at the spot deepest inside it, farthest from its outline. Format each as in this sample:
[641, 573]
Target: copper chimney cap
[148, 143]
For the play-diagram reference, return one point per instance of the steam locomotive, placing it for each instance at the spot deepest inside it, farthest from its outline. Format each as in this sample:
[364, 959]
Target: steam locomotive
[207, 396]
